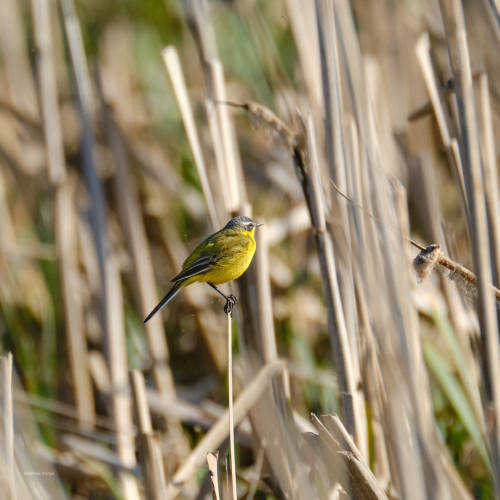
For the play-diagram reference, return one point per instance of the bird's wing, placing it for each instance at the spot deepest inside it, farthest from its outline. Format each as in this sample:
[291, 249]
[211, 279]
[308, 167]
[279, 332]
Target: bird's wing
[201, 265]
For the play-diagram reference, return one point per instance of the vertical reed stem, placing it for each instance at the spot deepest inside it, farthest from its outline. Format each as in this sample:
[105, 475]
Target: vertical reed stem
[8, 423]
[230, 393]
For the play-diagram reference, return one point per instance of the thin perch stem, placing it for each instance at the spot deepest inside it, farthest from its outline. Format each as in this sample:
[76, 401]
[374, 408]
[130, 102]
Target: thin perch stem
[230, 393]
[8, 423]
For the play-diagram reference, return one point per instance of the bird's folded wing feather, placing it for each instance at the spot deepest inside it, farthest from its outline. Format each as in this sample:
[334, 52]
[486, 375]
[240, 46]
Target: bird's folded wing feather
[201, 265]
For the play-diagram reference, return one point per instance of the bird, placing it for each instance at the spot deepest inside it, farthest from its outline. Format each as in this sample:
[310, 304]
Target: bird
[224, 256]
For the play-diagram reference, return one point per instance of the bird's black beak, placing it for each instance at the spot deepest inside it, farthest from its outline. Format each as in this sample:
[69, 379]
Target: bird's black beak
[257, 224]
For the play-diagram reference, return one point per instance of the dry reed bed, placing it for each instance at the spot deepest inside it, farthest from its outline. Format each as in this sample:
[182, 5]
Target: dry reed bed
[339, 149]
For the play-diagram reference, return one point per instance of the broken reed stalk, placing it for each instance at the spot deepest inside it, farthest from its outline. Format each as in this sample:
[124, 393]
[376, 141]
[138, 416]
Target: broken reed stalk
[230, 397]
[422, 50]
[173, 65]
[212, 463]
[8, 424]
[445, 123]
[337, 440]
[233, 180]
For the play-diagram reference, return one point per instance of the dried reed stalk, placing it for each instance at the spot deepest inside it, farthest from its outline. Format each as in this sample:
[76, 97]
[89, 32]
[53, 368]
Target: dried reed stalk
[59, 408]
[354, 420]
[234, 175]
[89, 448]
[212, 462]
[454, 21]
[202, 413]
[64, 224]
[265, 328]
[88, 153]
[259, 463]
[77, 50]
[19, 141]
[8, 425]
[213, 124]
[302, 19]
[490, 173]
[99, 371]
[149, 447]
[445, 124]
[120, 397]
[48, 90]
[15, 54]
[73, 308]
[374, 390]
[221, 127]
[264, 299]
[199, 20]
[363, 483]
[422, 401]
[174, 69]
[385, 301]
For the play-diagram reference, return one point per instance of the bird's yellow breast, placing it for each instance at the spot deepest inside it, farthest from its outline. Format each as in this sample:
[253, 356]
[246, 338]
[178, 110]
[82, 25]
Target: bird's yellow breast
[235, 252]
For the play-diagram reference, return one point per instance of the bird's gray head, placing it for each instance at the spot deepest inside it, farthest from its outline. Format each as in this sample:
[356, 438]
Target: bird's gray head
[242, 222]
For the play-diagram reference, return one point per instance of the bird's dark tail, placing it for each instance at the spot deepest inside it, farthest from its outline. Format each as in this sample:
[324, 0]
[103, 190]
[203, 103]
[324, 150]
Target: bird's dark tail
[170, 295]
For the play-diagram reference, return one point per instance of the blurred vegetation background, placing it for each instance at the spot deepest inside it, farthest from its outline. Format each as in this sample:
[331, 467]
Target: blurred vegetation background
[101, 200]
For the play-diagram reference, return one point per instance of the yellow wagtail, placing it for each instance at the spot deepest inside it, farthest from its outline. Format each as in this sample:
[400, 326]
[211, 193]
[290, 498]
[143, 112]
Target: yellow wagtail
[222, 257]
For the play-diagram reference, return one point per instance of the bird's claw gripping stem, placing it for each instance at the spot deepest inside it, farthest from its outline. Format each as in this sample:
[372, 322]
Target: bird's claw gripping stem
[231, 301]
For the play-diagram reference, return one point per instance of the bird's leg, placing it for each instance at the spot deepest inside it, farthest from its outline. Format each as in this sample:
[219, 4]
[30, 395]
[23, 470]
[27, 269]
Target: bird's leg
[230, 301]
